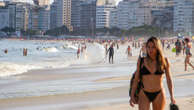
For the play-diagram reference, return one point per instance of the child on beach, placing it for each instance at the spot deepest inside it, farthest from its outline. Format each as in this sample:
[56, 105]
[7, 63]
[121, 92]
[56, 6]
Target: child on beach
[151, 71]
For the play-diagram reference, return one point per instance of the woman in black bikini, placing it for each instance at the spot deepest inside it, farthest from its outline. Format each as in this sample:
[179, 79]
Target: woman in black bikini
[152, 70]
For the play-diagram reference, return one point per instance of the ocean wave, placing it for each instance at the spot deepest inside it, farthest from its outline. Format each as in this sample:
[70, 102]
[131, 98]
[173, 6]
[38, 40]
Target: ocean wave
[8, 69]
[46, 56]
[50, 49]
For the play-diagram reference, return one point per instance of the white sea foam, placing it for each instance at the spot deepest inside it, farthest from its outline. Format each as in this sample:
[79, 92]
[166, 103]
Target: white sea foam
[40, 55]
[44, 54]
[8, 69]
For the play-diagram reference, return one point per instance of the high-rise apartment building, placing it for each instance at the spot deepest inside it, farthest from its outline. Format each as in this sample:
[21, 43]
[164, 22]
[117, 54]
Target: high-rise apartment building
[39, 18]
[183, 16]
[63, 13]
[53, 15]
[67, 14]
[113, 18]
[129, 14]
[18, 15]
[4, 17]
[75, 14]
[44, 18]
[88, 17]
[33, 18]
[103, 14]
[163, 17]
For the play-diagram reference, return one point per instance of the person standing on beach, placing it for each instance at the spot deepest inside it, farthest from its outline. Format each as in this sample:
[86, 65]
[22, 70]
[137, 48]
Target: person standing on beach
[183, 43]
[128, 51]
[178, 47]
[111, 53]
[78, 52]
[151, 73]
[143, 50]
[188, 53]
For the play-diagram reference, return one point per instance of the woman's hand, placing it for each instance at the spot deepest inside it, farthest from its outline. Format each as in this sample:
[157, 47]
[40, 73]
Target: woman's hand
[173, 100]
[132, 101]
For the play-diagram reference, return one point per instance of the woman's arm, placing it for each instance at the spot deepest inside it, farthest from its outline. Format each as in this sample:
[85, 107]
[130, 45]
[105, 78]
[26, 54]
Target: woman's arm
[169, 81]
[136, 79]
[134, 85]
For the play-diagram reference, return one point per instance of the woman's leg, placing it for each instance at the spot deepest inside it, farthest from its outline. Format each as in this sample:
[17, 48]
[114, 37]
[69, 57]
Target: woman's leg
[143, 102]
[159, 102]
[186, 60]
[190, 62]
[109, 57]
[112, 59]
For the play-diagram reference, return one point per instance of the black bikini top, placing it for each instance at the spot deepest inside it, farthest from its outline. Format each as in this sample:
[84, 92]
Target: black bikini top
[145, 71]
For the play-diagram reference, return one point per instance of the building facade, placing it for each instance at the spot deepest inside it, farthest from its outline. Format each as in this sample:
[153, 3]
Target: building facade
[163, 17]
[88, 17]
[113, 18]
[129, 14]
[44, 18]
[103, 15]
[183, 16]
[18, 15]
[75, 14]
[4, 17]
[21, 17]
[33, 18]
[62, 10]
[39, 18]
[53, 15]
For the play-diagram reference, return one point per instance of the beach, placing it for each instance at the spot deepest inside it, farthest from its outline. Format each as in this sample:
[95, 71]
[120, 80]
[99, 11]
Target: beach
[96, 86]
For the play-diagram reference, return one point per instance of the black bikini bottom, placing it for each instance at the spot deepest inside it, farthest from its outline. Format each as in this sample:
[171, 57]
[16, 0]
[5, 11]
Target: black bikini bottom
[151, 95]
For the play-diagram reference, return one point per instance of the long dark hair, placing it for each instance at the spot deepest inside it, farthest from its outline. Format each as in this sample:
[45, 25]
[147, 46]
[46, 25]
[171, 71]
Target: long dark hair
[160, 55]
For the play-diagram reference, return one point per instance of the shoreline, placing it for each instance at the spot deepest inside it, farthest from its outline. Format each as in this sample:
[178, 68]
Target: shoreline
[112, 98]
[94, 100]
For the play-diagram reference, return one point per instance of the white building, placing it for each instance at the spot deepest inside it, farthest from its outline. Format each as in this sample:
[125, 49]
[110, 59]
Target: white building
[129, 14]
[183, 14]
[103, 15]
[123, 15]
